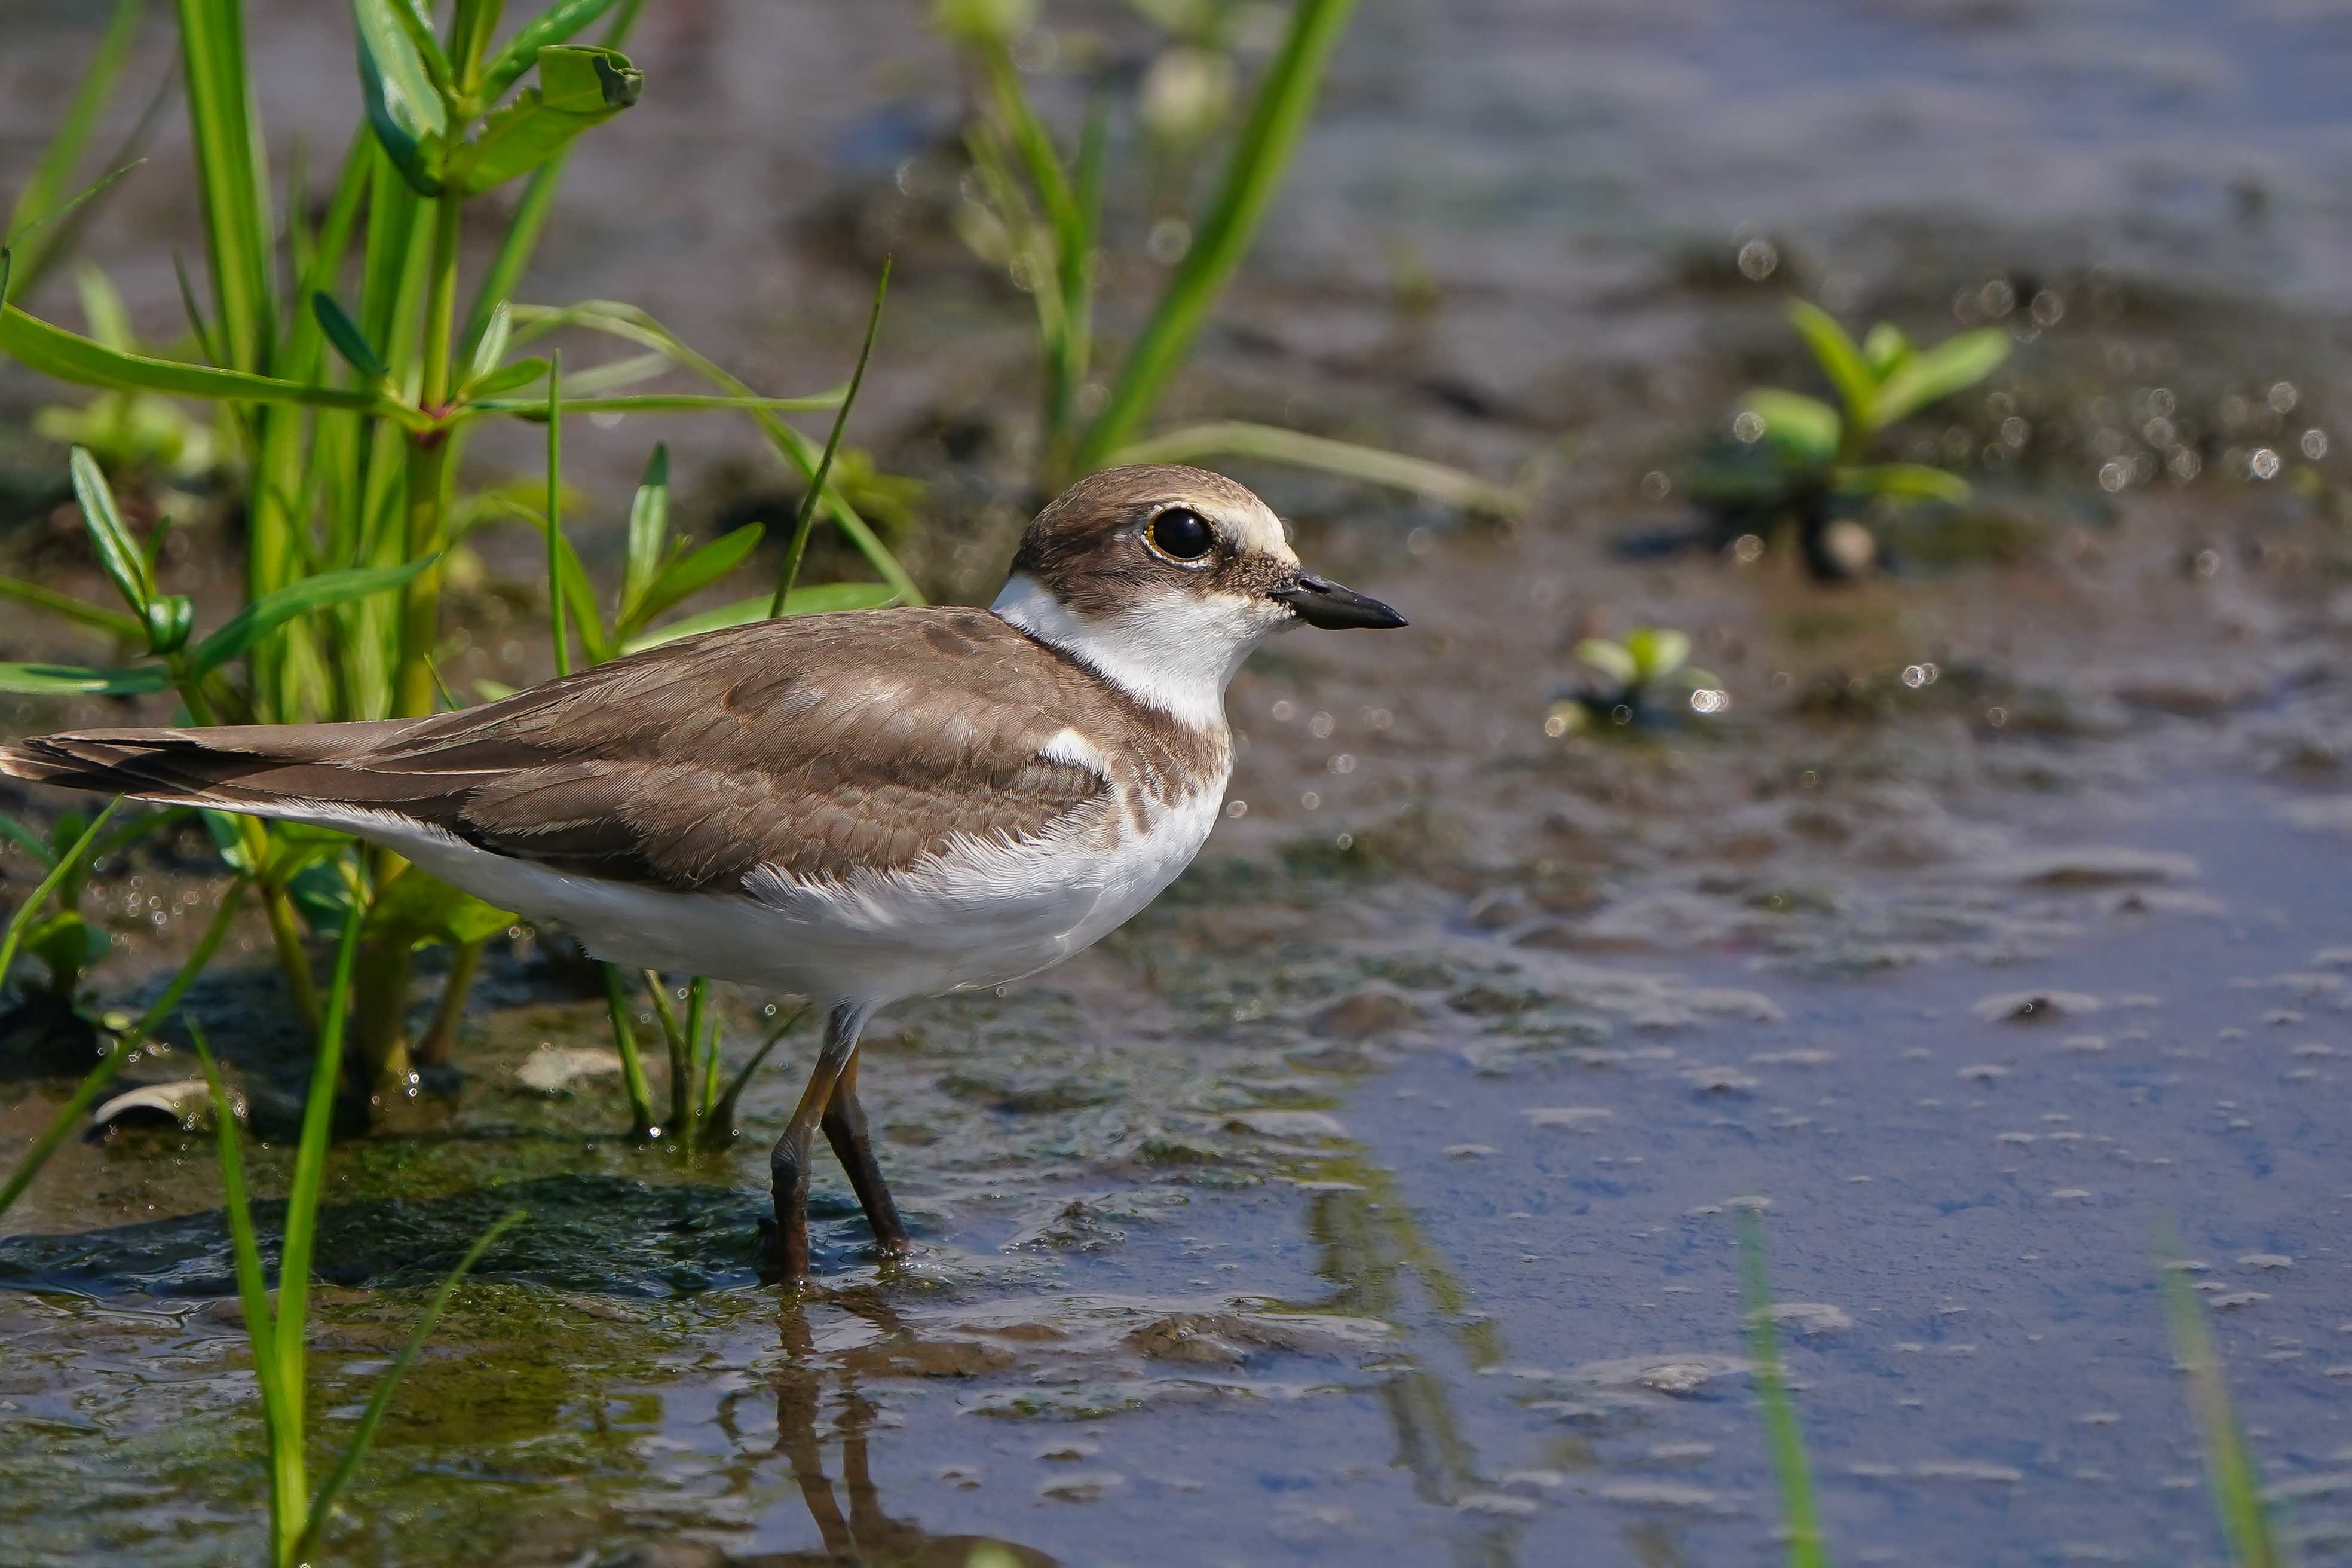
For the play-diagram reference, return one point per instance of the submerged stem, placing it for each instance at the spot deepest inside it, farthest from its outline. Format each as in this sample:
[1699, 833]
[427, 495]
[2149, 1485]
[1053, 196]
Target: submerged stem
[633, 1066]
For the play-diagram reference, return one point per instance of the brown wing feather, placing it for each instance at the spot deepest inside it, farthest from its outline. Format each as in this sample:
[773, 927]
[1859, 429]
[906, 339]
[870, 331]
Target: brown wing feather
[817, 746]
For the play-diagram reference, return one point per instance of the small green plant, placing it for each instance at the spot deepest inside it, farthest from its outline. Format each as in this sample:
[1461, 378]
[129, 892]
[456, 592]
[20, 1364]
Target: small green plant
[1800, 1521]
[1043, 224]
[345, 424]
[129, 433]
[1649, 684]
[1797, 458]
[2229, 1472]
[278, 1334]
[40, 227]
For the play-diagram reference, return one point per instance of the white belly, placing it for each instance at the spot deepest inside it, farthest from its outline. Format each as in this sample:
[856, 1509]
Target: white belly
[982, 915]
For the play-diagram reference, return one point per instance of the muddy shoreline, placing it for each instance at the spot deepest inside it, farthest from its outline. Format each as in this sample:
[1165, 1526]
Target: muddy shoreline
[1373, 1198]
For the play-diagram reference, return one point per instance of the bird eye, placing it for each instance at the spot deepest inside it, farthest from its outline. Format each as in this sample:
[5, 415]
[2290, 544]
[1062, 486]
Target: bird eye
[1181, 533]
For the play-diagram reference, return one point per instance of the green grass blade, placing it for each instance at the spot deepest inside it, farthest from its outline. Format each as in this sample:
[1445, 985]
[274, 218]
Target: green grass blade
[521, 239]
[118, 555]
[39, 201]
[624, 1040]
[54, 351]
[552, 26]
[1284, 103]
[60, 868]
[722, 1116]
[1842, 362]
[69, 1115]
[535, 409]
[689, 574]
[2229, 1471]
[814, 493]
[1236, 438]
[305, 597]
[825, 598]
[634, 325]
[78, 680]
[233, 177]
[648, 534]
[311, 1155]
[555, 541]
[281, 1423]
[322, 1506]
[1798, 1518]
[31, 843]
[114, 622]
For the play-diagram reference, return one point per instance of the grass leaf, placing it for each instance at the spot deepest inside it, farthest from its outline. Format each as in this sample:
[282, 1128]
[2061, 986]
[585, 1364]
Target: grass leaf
[1914, 481]
[311, 594]
[1957, 363]
[684, 578]
[41, 200]
[579, 86]
[552, 26]
[648, 531]
[347, 339]
[634, 325]
[338, 1478]
[402, 103]
[310, 1154]
[56, 353]
[1804, 426]
[60, 867]
[118, 555]
[97, 616]
[235, 179]
[1842, 361]
[1798, 1518]
[815, 493]
[1372, 464]
[2229, 1471]
[824, 599]
[80, 680]
[1260, 154]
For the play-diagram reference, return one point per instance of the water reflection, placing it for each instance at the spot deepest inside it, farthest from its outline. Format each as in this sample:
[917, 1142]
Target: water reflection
[848, 1513]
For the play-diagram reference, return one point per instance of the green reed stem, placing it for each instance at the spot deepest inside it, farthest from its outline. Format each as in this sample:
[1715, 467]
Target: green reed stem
[58, 876]
[1799, 1517]
[806, 517]
[633, 1066]
[70, 1114]
[1253, 172]
[680, 1062]
[561, 636]
[698, 1003]
[2229, 1472]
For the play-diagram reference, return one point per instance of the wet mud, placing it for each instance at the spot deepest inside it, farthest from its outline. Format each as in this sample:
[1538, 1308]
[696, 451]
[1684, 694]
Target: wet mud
[1375, 1197]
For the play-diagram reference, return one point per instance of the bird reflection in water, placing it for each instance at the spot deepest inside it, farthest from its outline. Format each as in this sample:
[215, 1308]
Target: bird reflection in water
[850, 1522]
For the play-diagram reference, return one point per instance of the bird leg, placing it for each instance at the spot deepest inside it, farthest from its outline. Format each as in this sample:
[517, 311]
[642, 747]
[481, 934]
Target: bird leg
[845, 1129]
[787, 1166]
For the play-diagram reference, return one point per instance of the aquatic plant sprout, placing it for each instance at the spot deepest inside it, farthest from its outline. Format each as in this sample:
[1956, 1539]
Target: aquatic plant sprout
[1649, 682]
[1879, 382]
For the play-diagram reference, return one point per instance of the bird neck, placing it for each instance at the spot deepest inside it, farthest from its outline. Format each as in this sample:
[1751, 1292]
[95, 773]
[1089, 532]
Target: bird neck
[1176, 654]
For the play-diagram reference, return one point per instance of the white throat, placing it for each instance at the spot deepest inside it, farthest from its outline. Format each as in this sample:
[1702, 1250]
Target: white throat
[1176, 651]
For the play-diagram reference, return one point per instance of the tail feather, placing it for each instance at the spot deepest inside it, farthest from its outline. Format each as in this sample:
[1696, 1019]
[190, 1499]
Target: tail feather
[274, 770]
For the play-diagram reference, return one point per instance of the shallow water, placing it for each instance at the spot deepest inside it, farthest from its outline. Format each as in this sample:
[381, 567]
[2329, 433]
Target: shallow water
[1375, 1197]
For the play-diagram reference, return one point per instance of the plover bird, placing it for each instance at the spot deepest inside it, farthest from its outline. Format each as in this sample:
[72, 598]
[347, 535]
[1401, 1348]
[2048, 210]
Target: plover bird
[857, 807]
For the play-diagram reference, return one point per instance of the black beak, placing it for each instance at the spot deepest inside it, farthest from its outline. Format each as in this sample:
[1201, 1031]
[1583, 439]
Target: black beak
[1320, 603]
